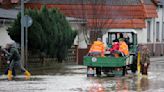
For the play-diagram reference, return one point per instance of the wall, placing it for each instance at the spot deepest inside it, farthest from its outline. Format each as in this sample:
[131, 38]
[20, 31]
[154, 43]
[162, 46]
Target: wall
[141, 35]
[4, 37]
[156, 47]
[81, 37]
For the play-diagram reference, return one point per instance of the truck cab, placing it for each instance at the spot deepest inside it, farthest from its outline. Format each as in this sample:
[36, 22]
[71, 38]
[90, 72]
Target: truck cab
[131, 39]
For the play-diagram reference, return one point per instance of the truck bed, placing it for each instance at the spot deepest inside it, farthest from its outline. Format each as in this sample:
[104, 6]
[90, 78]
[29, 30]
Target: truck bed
[105, 61]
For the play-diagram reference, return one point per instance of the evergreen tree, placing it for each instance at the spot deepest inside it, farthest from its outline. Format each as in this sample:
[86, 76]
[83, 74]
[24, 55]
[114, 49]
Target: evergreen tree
[50, 32]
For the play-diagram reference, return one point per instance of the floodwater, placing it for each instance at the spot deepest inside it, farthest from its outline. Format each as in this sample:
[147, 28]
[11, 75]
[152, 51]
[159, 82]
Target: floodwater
[73, 79]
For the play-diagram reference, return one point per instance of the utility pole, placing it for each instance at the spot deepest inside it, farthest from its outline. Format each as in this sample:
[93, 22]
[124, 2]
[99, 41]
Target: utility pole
[154, 37]
[22, 32]
[162, 37]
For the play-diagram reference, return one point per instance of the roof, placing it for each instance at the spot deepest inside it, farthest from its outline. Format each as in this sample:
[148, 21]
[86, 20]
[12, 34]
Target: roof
[8, 4]
[116, 23]
[111, 2]
[122, 13]
[8, 13]
[148, 2]
[12, 1]
[104, 12]
[149, 7]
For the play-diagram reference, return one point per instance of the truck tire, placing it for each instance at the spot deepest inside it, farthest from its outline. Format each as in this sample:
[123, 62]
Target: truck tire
[133, 66]
[98, 71]
[124, 71]
[90, 72]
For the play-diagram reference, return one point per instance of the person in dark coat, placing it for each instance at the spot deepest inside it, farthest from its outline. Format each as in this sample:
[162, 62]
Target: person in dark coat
[145, 60]
[15, 60]
[4, 55]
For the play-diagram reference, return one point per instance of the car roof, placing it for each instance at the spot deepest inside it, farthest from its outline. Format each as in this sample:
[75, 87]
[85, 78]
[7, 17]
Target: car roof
[122, 31]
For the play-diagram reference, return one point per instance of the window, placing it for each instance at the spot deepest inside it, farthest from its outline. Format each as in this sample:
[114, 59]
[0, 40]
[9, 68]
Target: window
[157, 31]
[148, 30]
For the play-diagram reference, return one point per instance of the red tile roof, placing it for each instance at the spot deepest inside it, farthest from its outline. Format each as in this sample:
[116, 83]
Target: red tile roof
[114, 14]
[116, 23]
[151, 11]
[91, 11]
[150, 8]
[12, 1]
[109, 2]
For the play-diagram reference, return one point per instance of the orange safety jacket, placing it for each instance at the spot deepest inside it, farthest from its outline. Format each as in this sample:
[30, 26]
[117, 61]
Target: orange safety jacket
[98, 46]
[123, 47]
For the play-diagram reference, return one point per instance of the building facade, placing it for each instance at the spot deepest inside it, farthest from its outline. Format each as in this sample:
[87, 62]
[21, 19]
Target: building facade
[95, 17]
[92, 17]
[154, 32]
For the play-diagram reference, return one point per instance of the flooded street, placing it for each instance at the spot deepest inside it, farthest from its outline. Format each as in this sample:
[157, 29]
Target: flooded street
[73, 79]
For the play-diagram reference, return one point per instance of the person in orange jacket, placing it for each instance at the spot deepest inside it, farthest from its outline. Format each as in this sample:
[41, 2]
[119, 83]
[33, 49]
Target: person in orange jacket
[97, 48]
[123, 47]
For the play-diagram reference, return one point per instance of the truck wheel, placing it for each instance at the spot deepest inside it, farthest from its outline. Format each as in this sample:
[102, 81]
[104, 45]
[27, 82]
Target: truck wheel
[124, 71]
[133, 66]
[90, 72]
[98, 71]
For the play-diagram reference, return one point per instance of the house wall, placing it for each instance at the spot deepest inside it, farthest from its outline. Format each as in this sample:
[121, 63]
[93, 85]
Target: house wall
[142, 36]
[4, 37]
[156, 46]
[160, 20]
[80, 39]
[159, 46]
[79, 42]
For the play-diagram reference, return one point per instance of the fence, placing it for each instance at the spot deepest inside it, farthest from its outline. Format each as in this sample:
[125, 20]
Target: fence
[157, 47]
[38, 59]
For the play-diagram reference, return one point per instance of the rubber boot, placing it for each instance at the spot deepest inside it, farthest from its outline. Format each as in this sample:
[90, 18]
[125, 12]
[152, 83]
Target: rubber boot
[27, 74]
[9, 75]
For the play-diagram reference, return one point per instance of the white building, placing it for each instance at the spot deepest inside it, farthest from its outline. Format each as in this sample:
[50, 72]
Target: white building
[7, 16]
[154, 31]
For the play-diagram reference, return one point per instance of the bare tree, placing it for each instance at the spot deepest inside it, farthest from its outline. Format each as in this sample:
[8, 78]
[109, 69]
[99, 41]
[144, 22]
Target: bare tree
[99, 15]
[96, 13]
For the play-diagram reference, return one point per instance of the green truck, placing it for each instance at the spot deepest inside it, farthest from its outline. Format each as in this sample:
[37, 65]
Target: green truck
[109, 64]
